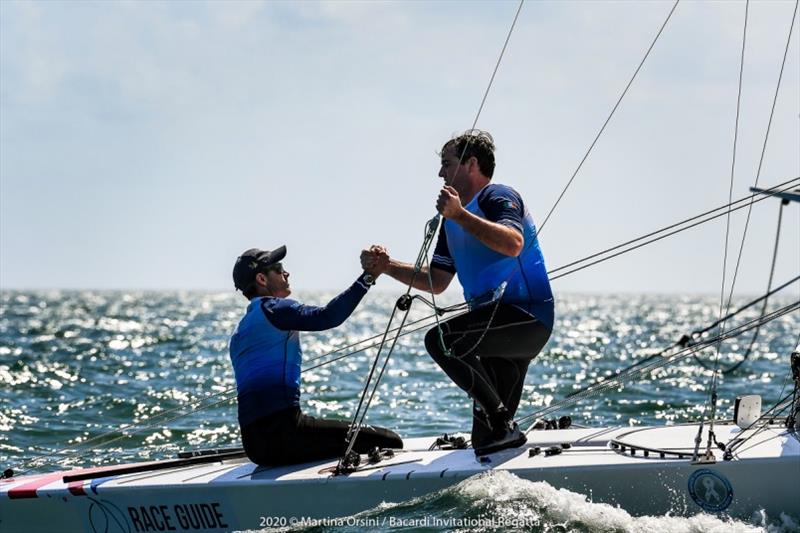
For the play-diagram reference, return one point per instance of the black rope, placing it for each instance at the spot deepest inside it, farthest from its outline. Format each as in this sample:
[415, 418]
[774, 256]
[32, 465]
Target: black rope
[497, 64]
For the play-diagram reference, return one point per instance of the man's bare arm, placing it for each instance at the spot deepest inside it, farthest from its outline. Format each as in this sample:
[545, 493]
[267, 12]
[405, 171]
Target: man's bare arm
[404, 272]
[500, 238]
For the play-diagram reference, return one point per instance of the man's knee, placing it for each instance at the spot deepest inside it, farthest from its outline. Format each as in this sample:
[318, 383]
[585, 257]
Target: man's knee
[383, 437]
[393, 441]
[433, 343]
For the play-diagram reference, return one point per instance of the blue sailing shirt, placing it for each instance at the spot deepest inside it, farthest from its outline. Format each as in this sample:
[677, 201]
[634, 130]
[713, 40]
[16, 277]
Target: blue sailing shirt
[265, 348]
[481, 270]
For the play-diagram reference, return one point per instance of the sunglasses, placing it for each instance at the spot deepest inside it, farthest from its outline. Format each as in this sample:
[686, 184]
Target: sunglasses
[277, 267]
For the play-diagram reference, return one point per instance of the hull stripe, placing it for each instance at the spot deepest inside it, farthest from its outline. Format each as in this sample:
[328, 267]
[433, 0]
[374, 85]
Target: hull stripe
[28, 490]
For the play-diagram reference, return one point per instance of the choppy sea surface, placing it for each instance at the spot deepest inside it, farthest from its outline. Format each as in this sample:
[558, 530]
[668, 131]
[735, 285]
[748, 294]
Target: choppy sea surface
[124, 376]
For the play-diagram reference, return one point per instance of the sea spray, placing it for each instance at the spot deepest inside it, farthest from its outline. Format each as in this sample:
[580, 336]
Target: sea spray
[501, 501]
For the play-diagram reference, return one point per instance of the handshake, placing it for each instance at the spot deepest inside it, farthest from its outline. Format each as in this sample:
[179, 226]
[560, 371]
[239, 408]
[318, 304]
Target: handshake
[375, 260]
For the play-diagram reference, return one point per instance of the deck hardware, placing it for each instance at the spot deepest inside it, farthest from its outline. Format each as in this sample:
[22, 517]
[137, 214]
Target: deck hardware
[348, 464]
[404, 302]
[552, 450]
[449, 442]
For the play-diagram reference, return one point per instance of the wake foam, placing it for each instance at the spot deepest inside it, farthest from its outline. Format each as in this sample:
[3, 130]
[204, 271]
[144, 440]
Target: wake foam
[503, 492]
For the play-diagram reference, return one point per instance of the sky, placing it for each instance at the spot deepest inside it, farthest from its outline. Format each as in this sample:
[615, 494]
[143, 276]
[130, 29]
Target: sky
[144, 145]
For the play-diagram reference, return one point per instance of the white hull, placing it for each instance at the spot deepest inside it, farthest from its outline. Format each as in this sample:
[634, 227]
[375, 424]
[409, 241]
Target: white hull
[235, 494]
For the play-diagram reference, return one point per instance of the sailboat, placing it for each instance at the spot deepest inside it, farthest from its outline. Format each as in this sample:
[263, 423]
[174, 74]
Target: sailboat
[645, 470]
[735, 468]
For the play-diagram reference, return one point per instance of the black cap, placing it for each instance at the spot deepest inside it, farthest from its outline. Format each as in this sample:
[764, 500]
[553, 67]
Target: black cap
[253, 261]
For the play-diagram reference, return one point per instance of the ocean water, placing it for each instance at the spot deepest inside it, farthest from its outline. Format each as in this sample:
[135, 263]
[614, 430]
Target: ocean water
[104, 377]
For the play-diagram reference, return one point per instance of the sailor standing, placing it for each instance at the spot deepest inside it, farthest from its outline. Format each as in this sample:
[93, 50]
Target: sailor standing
[489, 240]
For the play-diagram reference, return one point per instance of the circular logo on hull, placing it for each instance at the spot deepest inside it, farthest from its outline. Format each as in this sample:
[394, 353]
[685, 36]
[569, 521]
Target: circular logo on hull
[710, 490]
[105, 517]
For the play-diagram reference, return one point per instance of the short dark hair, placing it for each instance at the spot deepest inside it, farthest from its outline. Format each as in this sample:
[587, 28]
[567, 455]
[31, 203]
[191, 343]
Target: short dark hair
[249, 292]
[478, 144]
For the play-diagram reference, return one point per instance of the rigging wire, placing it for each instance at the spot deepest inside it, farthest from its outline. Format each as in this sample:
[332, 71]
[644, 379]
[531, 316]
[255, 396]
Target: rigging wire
[436, 221]
[713, 384]
[655, 234]
[497, 64]
[197, 404]
[541, 227]
[194, 406]
[714, 379]
[764, 148]
[538, 231]
[620, 379]
[599, 133]
[750, 347]
[730, 334]
[691, 339]
[432, 227]
[608, 119]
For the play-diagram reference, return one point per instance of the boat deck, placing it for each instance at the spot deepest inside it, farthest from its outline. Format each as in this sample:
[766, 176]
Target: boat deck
[644, 470]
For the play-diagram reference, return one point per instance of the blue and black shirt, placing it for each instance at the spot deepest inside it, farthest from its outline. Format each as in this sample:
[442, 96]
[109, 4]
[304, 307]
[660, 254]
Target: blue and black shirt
[265, 348]
[481, 270]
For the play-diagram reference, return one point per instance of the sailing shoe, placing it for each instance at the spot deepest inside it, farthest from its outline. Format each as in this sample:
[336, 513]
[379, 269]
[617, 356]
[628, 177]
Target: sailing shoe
[543, 424]
[507, 436]
[540, 424]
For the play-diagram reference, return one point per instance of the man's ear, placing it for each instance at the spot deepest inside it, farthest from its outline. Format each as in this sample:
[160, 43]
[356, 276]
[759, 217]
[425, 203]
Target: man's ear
[472, 164]
[261, 279]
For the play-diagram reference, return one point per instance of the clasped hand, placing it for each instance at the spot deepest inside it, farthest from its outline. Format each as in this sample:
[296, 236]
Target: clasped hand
[375, 260]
